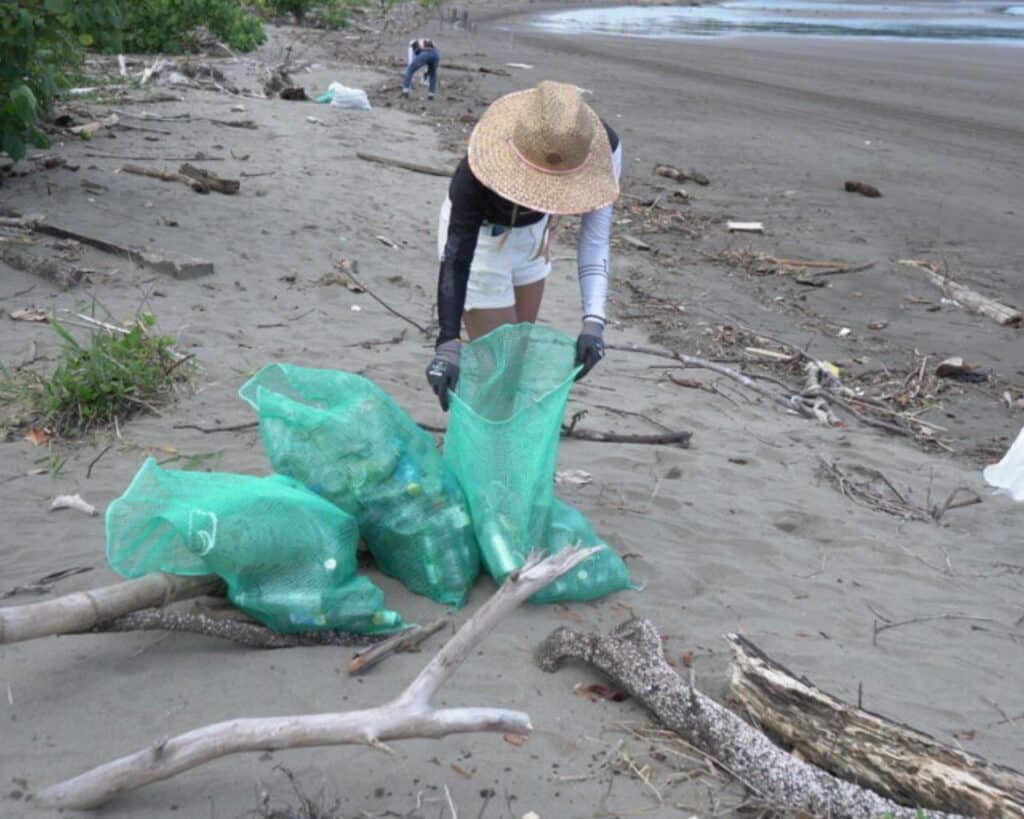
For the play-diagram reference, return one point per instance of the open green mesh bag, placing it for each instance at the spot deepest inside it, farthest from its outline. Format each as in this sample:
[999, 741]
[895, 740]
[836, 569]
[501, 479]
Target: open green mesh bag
[287, 555]
[347, 440]
[502, 444]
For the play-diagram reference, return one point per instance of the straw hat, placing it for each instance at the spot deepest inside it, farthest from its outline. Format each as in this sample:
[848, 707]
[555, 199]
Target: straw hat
[545, 149]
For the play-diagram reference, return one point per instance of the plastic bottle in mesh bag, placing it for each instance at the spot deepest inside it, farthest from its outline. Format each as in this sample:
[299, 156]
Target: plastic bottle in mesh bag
[287, 555]
[502, 445]
[346, 439]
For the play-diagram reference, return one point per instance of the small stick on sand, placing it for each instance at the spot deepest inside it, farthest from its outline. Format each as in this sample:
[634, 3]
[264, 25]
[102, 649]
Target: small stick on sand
[351, 267]
[407, 166]
[406, 641]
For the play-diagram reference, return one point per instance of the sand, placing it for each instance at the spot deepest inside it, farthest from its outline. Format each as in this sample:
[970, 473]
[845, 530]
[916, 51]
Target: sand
[737, 533]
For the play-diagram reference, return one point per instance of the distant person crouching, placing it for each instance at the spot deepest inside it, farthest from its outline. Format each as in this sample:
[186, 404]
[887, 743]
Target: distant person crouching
[422, 54]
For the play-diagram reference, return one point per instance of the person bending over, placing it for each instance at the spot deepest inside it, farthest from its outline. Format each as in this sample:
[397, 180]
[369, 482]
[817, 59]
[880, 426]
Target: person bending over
[533, 156]
[422, 54]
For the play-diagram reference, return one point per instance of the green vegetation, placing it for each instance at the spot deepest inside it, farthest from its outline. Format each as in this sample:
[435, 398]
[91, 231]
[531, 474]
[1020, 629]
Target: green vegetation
[40, 40]
[105, 381]
[43, 41]
[169, 26]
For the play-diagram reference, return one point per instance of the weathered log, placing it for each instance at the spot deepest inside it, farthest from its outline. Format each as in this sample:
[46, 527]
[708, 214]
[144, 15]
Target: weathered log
[81, 611]
[178, 268]
[970, 299]
[248, 634]
[209, 179]
[632, 656]
[410, 714]
[896, 760]
[863, 188]
[681, 438]
[91, 128]
[680, 175]
[61, 273]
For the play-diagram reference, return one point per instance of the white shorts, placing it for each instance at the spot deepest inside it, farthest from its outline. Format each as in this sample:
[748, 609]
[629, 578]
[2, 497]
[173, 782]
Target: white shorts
[501, 263]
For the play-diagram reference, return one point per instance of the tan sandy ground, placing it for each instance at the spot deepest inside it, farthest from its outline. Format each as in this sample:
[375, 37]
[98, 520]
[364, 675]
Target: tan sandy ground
[737, 533]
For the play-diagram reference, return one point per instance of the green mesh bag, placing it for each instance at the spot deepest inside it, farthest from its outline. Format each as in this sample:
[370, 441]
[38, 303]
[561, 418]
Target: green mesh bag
[287, 555]
[502, 444]
[347, 440]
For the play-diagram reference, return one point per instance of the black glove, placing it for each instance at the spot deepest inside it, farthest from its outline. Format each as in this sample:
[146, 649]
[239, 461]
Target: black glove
[443, 372]
[589, 346]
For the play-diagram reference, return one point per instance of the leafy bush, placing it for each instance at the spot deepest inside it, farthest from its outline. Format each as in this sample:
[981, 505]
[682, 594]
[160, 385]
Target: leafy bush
[323, 13]
[298, 8]
[168, 26]
[39, 39]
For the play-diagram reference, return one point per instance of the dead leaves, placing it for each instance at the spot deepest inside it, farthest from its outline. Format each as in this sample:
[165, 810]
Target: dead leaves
[29, 314]
[343, 276]
[38, 436]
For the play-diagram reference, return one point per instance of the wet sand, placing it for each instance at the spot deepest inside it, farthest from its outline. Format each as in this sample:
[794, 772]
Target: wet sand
[738, 533]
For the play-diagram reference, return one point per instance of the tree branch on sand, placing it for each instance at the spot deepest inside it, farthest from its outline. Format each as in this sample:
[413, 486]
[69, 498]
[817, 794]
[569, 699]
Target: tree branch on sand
[410, 714]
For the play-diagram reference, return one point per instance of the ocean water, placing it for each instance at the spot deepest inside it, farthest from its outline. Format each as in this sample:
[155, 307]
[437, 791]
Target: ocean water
[952, 21]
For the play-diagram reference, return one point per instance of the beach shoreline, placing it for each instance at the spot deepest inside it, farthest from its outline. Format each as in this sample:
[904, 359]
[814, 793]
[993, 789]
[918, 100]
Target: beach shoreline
[741, 532]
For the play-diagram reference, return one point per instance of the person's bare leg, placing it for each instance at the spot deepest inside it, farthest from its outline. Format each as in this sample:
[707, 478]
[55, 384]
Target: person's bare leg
[528, 298]
[481, 322]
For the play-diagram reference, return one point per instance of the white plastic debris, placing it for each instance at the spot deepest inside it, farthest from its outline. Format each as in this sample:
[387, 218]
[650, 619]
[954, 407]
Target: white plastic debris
[746, 227]
[73, 502]
[573, 477]
[1007, 476]
[344, 97]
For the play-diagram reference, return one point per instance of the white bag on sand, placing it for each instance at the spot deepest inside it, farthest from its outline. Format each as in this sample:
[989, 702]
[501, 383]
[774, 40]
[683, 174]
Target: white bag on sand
[345, 97]
[1007, 476]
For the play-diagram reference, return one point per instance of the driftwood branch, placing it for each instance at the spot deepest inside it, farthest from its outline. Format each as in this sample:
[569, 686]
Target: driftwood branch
[81, 611]
[681, 438]
[165, 176]
[793, 403]
[970, 299]
[209, 180]
[409, 715]
[892, 759]
[407, 166]
[633, 657]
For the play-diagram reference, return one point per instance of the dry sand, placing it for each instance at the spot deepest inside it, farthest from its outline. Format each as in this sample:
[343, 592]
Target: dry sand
[736, 533]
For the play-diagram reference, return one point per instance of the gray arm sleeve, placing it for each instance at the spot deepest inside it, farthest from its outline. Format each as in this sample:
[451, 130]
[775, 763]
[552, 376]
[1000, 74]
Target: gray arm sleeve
[595, 252]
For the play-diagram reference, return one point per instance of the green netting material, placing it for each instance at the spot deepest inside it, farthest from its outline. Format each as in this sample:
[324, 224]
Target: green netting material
[347, 440]
[502, 444]
[287, 555]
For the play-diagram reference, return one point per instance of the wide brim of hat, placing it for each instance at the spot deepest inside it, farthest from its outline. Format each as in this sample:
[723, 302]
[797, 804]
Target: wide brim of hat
[497, 165]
